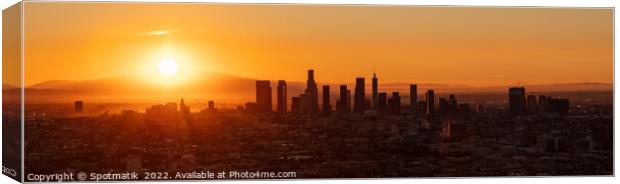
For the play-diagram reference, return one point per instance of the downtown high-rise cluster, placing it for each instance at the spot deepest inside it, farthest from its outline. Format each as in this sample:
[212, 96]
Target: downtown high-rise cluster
[384, 102]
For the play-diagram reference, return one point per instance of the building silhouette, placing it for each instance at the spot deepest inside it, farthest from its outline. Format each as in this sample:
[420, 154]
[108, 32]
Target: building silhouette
[452, 103]
[79, 106]
[394, 103]
[183, 108]
[375, 88]
[360, 96]
[516, 101]
[327, 107]
[382, 103]
[430, 102]
[281, 96]
[542, 104]
[555, 105]
[413, 93]
[211, 105]
[263, 96]
[312, 95]
[343, 103]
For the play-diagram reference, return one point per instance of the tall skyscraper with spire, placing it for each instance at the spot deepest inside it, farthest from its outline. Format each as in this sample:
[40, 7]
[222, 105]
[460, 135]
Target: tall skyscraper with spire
[375, 90]
[312, 93]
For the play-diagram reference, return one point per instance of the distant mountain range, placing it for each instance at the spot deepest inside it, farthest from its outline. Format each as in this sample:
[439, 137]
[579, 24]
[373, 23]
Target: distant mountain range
[235, 89]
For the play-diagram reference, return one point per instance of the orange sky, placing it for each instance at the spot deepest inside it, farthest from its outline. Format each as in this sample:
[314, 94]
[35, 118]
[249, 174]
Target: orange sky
[455, 45]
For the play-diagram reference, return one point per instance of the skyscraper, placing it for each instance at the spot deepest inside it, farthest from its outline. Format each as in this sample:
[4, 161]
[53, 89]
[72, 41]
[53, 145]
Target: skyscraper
[394, 103]
[263, 96]
[312, 94]
[211, 106]
[453, 103]
[413, 104]
[360, 96]
[282, 96]
[327, 107]
[516, 100]
[79, 106]
[342, 104]
[382, 104]
[375, 88]
[430, 102]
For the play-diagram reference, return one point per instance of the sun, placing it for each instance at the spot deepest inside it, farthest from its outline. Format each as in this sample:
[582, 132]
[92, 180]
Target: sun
[167, 66]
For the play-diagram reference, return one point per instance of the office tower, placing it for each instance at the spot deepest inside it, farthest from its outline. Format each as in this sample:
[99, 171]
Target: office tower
[211, 107]
[263, 96]
[382, 104]
[516, 100]
[532, 106]
[312, 93]
[542, 104]
[341, 103]
[360, 96]
[327, 107]
[394, 103]
[295, 105]
[453, 104]
[430, 102]
[282, 96]
[413, 93]
[375, 88]
[79, 106]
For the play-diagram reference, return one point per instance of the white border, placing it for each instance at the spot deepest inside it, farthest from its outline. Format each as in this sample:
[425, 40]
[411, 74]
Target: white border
[491, 180]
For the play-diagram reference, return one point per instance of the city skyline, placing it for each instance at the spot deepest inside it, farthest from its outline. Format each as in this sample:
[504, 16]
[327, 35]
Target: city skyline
[484, 46]
[182, 91]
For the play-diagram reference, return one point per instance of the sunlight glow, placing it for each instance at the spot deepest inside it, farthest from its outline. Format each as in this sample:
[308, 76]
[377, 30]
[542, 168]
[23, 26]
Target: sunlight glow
[167, 66]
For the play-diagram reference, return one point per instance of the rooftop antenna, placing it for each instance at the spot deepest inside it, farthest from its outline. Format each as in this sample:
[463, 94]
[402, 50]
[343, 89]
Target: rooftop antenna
[374, 74]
